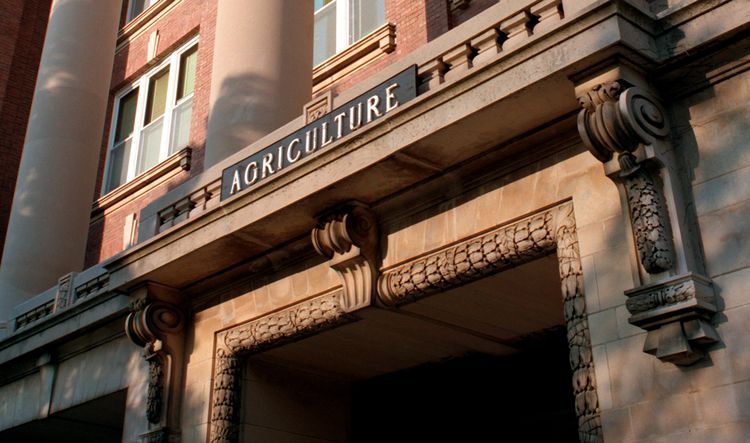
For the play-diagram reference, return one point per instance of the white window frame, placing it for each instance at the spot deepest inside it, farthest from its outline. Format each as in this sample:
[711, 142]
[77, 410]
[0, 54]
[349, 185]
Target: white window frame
[131, 8]
[143, 83]
[342, 24]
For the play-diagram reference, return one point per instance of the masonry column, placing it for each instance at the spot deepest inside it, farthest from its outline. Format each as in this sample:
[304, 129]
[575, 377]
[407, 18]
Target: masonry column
[262, 71]
[49, 219]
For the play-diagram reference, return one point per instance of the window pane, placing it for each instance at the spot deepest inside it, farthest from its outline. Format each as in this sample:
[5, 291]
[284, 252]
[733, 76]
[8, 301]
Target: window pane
[136, 7]
[148, 155]
[364, 17]
[126, 116]
[324, 41]
[186, 84]
[157, 96]
[317, 4]
[118, 165]
[181, 126]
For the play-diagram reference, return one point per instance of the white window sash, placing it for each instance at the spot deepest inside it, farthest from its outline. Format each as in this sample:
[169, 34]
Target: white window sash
[342, 25]
[143, 84]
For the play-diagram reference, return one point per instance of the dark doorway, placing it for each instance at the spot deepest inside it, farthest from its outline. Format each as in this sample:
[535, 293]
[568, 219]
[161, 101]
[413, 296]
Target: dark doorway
[96, 421]
[476, 398]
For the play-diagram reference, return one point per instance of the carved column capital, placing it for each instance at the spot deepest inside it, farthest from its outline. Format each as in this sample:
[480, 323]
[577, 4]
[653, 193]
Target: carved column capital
[156, 323]
[347, 236]
[617, 117]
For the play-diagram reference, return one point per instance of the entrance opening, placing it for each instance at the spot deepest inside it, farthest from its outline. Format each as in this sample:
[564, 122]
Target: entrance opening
[99, 420]
[487, 361]
[522, 397]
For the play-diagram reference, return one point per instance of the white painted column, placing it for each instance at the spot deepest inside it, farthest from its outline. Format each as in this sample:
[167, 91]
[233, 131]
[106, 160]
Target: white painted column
[262, 71]
[49, 219]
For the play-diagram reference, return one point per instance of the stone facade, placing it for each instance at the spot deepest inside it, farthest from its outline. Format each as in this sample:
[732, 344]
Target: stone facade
[566, 165]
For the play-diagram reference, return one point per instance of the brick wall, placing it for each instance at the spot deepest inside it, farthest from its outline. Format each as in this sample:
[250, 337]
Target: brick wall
[23, 25]
[417, 22]
[188, 19]
[474, 7]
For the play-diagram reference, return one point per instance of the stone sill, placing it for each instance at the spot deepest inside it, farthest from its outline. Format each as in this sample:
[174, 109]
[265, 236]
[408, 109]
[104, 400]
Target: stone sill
[139, 24]
[171, 166]
[375, 44]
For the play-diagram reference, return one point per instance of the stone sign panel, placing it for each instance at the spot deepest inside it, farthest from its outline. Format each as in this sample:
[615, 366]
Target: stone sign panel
[319, 134]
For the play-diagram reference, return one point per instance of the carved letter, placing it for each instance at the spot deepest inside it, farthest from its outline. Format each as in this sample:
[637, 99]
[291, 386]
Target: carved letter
[372, 108]
[236, 182]
[289, 157]
[390, 99]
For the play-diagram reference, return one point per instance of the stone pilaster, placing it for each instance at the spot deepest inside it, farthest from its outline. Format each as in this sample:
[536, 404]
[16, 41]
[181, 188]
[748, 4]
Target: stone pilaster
[262, 71]
[49, 220]
[626, 128]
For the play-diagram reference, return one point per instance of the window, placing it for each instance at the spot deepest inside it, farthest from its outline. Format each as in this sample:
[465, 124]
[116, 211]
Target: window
[151, 119]
[137, 6]
[340, 23]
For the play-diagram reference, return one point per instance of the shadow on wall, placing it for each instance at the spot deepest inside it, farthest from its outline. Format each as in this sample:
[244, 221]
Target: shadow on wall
[710, 135]
[19, 85]
[242, 114]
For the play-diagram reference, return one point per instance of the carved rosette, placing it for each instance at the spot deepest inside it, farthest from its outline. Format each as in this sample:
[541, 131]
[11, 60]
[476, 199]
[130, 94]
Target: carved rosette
[348, 238]
[156, 325]
[294, 323]
[502, 248]
[677, 316]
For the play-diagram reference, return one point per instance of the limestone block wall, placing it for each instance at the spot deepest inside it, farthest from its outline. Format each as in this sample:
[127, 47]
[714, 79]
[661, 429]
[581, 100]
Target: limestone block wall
[243, 301]
[86, 375]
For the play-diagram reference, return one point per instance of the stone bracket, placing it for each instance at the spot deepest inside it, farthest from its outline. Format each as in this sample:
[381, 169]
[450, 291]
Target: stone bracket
[348, 237]
[156, 323]
[676, 314]
[617, 118]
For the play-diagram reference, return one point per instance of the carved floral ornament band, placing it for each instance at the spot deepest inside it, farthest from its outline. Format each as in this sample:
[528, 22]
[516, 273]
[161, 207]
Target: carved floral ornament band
[345, 236]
